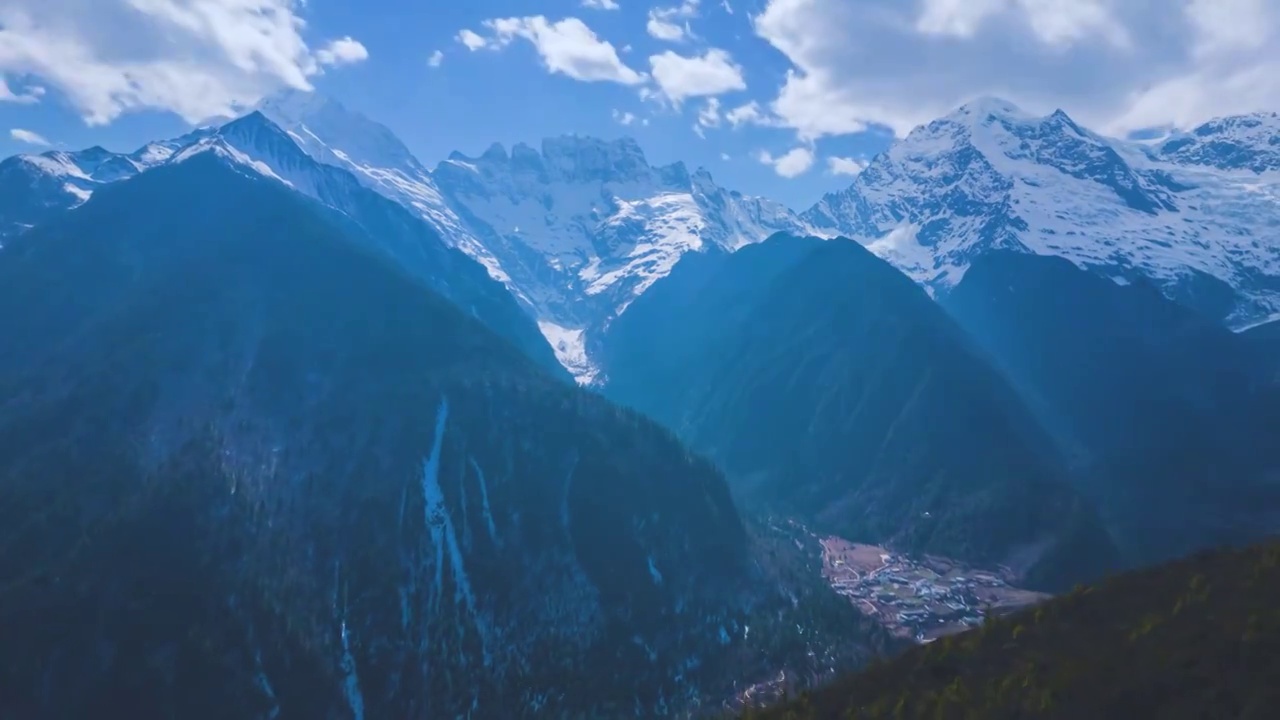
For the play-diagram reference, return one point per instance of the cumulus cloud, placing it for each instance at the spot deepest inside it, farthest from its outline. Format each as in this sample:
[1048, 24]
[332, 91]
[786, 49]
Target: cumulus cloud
[435, 59]
[1118, 65]
[679, 77]
[567, 47]
[845, 165]
[665, 29]
[623, 118]
[600, 4]
[794, 163]
[28, 137]
[472, 40]
[343, 51]
[196, 58]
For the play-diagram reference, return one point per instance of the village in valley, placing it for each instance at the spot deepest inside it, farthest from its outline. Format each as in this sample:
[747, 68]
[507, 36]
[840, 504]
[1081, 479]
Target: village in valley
[920, 598]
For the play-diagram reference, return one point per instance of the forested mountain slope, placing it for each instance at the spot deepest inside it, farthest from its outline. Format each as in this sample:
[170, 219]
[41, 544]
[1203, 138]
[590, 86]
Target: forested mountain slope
[1198, 638]
[250, 468]
[827, 384]
[1172, 420]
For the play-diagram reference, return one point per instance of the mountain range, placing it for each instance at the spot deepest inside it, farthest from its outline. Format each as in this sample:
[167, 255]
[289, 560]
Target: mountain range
[253, 467]
[291, 425]
[826, 383]
[579, 228]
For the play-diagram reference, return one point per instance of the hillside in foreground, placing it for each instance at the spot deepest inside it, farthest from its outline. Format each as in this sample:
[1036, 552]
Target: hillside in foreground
[1198, 638]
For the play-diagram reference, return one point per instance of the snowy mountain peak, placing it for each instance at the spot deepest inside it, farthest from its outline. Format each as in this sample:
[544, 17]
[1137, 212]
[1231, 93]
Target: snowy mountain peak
[986, 108]
[584, 225]
[568, 158]
[990, 176]
[257, 129]
[1240, 142]
[997, 119]
[334, 135]
[319, 124]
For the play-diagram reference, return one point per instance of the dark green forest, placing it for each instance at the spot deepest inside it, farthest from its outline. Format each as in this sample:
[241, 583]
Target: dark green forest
[1198, 638]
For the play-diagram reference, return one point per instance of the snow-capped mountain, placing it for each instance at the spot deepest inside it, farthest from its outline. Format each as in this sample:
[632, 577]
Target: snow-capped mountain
[584, 226]
[255, 142]
[1198, 214]
[576, 229]
[334, 135]
[35, 187]
[1241, 142]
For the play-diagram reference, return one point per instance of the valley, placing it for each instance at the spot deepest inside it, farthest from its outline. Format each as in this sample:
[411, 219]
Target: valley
[920, 598]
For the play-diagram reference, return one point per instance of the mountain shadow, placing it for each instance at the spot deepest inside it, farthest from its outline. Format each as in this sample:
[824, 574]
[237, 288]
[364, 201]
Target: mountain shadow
[250, 469]
[1266, 340]
[1199, 638]
[1171, 418]
[828, 385]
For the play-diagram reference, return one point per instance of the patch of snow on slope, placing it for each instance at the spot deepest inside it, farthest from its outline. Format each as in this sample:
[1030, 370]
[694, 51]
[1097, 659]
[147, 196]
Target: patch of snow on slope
[901, 248]
[571, 350]
[351, 679]
[57, 163]
[1259, 323]
[438, 520]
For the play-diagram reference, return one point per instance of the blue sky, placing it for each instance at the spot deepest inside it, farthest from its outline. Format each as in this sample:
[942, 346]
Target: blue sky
[775, 97]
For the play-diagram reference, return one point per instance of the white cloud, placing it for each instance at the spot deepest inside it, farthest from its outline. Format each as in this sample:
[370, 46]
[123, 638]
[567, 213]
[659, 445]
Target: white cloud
[567, 47]
[750, 114]
[725, 157]
[664, 29]
[1117, 65]
[473, 40]
[1054, 22]
[712, 73]
[624, 118]
[343, 51]
[709, 115]
[794, 163]
[845, 165]
[672, 23]
[28, 137]
[435, 59]
[196, 58]
[600, 4]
